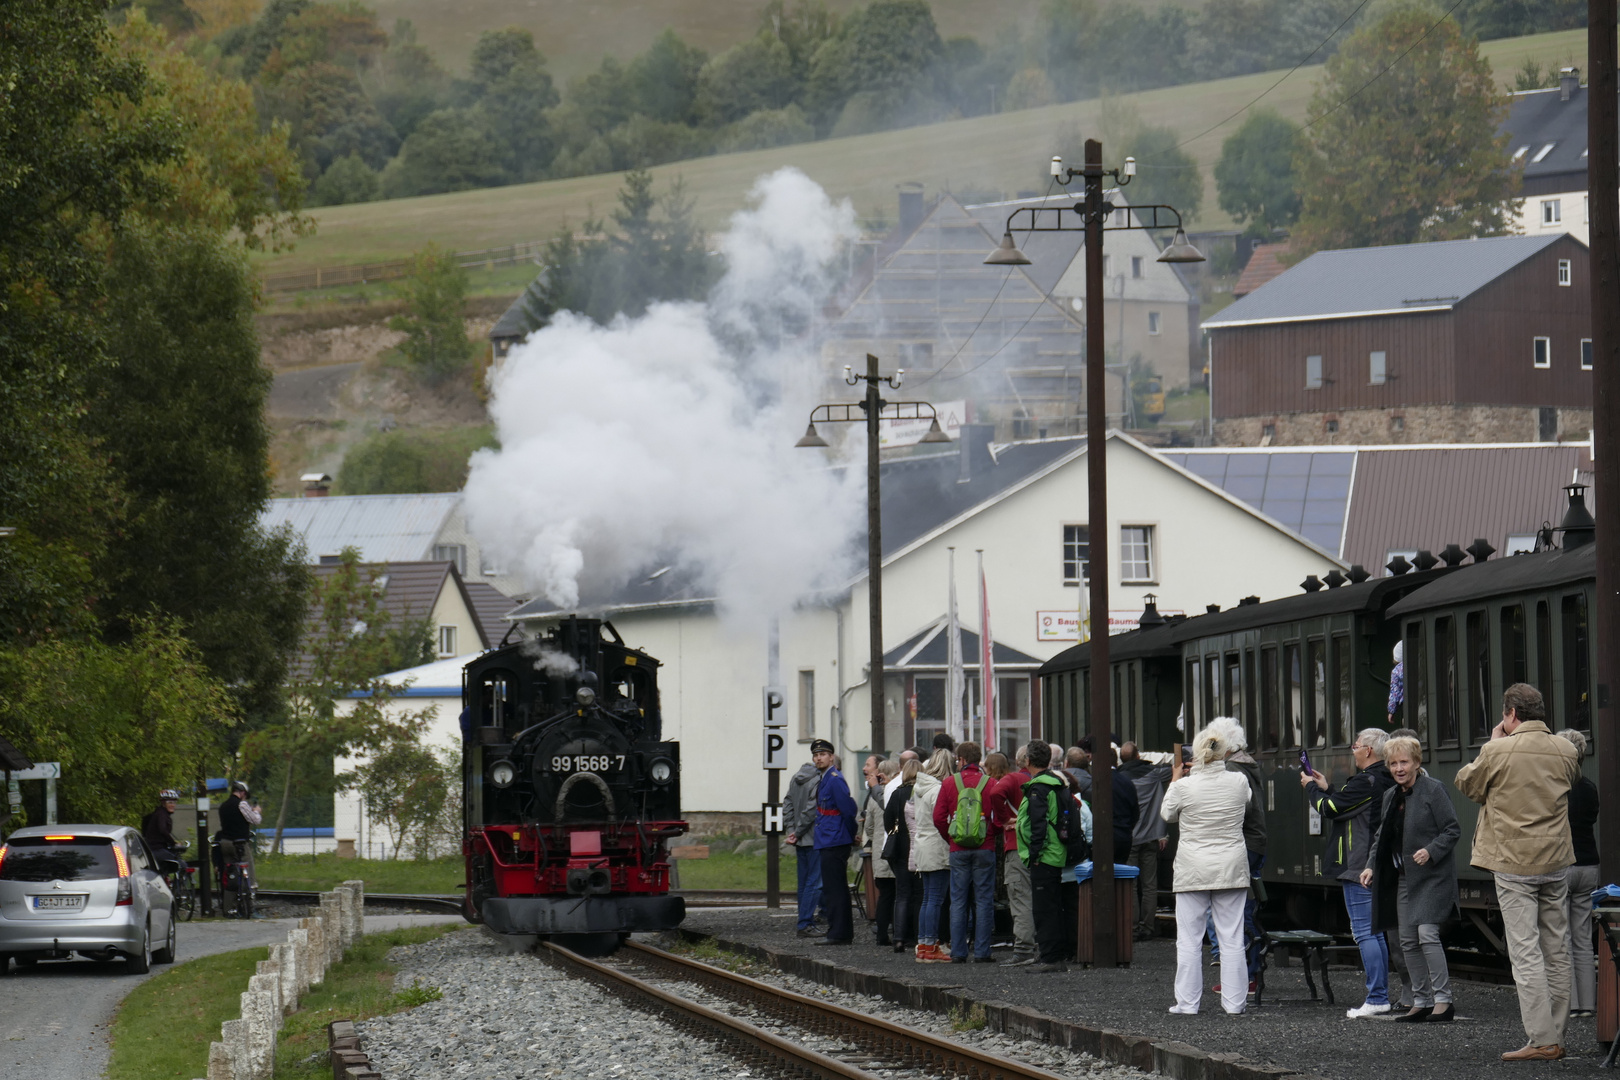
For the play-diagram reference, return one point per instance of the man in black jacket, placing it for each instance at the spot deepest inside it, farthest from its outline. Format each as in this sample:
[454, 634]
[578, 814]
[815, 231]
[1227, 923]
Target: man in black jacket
[1125, 805]
[237, 820]
[1355, 810]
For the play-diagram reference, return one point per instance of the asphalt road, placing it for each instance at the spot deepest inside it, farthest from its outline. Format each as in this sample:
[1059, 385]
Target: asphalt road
[54, 1017]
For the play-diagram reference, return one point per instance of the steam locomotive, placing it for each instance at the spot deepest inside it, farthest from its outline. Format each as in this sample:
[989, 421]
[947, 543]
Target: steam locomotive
[570, 794]
[1307, 672]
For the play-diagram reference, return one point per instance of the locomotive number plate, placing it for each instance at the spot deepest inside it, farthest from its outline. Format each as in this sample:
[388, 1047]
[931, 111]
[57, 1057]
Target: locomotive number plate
[596, 763]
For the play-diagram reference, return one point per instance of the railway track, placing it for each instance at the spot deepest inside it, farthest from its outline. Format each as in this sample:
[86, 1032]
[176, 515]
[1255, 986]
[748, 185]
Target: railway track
[695, 898]
[860, 1046]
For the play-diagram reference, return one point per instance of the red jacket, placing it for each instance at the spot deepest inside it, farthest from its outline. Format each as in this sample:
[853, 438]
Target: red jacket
[1003, 800]
[946, 806]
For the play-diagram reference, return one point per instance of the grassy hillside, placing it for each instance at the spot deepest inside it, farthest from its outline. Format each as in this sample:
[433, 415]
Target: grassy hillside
[1004, 152]
[576, 34]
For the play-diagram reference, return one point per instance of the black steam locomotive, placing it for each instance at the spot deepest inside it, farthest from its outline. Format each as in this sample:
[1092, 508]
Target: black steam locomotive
[570, 794]
[1307, 672]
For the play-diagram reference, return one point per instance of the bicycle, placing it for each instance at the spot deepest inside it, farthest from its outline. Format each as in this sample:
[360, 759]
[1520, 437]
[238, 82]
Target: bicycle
[182, 882]
[235, 878]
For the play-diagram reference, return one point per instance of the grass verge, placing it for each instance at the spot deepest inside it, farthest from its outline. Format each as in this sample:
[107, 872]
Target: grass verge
[321, 872]
[361, 986]
[163, 1028]
[728, 870]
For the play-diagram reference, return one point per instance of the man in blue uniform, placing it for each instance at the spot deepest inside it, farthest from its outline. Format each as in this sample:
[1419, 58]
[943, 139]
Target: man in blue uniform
[834, 835]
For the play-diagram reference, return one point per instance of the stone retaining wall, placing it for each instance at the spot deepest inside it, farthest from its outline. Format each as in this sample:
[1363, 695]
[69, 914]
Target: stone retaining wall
[247, 1046]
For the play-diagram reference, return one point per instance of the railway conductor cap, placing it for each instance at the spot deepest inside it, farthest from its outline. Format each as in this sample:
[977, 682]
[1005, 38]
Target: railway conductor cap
[821, 746]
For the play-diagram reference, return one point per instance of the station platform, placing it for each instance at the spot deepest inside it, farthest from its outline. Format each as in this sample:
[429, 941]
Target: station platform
[1288, 1035]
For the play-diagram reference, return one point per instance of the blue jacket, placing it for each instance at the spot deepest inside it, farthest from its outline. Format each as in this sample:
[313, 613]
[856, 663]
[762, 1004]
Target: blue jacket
[835, 811]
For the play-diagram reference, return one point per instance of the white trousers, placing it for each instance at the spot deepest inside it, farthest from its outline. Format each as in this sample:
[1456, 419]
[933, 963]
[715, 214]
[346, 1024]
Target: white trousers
[1192, 909]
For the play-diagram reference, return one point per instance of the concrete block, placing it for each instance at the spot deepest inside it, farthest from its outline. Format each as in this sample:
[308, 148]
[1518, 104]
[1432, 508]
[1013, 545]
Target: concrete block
[345, 896]
[234, 1034]
[344, 1060]
[219, 1062]
[331, 916]
[1122, 1049]
[269, 984]
[1181, 1061]
[341, 1029]
[308, 974]
[357, 916]
[285, 959]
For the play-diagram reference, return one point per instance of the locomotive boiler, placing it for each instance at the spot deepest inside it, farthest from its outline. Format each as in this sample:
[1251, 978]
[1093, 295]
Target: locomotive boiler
[570, 793]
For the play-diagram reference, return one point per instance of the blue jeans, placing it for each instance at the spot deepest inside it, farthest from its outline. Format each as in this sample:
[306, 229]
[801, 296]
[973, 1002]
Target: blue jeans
[810, 905]
[973, 872]
[1374, 949]
[934, 883]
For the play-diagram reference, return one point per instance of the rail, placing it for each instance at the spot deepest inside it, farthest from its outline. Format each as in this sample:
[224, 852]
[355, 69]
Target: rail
[362, 273]
[695, 898]
[885, 1042]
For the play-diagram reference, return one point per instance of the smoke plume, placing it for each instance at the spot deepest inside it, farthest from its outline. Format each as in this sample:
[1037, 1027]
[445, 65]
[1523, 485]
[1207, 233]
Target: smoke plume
[668, 439]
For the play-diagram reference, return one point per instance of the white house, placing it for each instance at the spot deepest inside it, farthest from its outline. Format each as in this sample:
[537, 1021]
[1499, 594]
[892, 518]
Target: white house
[1172, 534]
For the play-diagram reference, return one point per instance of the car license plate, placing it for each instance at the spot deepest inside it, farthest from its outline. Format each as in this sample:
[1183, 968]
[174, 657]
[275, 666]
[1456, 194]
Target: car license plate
[73, 903]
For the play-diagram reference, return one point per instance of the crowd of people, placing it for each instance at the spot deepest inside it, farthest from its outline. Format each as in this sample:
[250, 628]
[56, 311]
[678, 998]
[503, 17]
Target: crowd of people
[941, 823]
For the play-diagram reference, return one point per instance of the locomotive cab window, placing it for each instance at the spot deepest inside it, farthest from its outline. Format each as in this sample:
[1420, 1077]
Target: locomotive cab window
[497, 693]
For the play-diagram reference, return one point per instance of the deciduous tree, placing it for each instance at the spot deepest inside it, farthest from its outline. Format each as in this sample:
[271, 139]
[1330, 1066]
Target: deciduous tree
[1255, 175]
[435, 289]
[1414, 155]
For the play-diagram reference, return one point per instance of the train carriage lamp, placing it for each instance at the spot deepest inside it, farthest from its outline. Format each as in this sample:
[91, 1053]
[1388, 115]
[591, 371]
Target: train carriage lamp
[1094, 214]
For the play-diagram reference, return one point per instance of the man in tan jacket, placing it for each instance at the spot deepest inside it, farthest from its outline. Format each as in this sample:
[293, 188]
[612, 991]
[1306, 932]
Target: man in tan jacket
[1521, 780]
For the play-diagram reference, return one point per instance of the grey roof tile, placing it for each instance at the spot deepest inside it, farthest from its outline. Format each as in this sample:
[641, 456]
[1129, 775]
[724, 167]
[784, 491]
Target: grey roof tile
[385, 528]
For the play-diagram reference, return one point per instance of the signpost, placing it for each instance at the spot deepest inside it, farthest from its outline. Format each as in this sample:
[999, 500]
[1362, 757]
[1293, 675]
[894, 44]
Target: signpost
[775, 760]
[48, 771]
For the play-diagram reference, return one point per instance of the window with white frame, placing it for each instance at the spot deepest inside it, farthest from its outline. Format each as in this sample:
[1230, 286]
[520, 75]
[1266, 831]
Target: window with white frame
[1076, 554]
[447, 641]
[1377, 368]
[1551, 211]
[1563, 272]
[1541, 352]
[456, 553]
[1136, 554]
[1586, 354]
[1313, 373]
[1153, 322]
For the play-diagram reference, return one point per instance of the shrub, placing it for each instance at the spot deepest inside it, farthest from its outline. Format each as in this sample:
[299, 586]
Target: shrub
[348, 180]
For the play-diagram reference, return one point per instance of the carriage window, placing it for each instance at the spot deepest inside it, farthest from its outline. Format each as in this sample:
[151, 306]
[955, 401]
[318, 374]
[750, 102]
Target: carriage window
[1445, 659]
[1416, 669]
[1480, 720]
[1514, 667]
[1133, 719]
[1577, 664]
[1118, 700]
[1544, 653]
[1251, 703]
[1294, 703]
[1194, 696]
[1212, 688]
[1270, 694]
[1234, 687]
[1316, 672]
[1343, 720]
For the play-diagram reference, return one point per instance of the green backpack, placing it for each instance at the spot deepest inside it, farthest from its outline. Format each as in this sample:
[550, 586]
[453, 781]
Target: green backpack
[968, 825]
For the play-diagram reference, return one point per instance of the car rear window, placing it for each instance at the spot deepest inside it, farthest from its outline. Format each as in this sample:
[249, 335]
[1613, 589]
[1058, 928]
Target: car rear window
[33, 858]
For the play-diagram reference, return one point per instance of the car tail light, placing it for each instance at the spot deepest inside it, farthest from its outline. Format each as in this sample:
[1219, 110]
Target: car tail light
[126, 895]
[3, 849]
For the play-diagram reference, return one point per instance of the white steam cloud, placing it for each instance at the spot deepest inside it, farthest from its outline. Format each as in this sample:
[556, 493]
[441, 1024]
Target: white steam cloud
[668, 439]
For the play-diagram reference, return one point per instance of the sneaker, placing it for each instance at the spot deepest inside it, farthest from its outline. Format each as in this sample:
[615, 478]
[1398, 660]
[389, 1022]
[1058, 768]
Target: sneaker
[1021, 961]
[1581, 1012]
[1179, 1011]
[1369, 1009]
[1041, 969]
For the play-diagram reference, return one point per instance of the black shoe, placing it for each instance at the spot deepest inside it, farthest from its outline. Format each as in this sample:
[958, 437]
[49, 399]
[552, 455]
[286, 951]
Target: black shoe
[1443, 1017]
[984, 959]
[1021, 961]
[1417, 1016]
[899, 946]
[958, 959]
[1040, 969]
[834, 941]
[883, 941]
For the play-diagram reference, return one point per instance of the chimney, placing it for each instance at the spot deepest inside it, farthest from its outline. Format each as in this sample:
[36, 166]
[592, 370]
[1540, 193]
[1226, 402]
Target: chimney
[973, 451]
[911, 207]
[316, 485]
[1578, 527]
[1150, 617]
[1569, 80]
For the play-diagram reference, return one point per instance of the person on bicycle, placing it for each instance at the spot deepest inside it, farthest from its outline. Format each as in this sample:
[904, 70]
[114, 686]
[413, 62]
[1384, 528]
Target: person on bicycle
[158, 828]
[237, 819]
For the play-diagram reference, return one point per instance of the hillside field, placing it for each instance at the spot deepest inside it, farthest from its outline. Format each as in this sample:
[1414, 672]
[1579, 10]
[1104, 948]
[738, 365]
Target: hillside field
[1004, 152]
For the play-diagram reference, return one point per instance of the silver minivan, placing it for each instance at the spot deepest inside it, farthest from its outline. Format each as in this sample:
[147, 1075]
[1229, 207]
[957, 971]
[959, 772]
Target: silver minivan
[89, 889]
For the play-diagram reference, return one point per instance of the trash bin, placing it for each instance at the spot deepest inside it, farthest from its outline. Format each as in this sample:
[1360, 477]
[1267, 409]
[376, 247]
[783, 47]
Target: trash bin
[1124, 897]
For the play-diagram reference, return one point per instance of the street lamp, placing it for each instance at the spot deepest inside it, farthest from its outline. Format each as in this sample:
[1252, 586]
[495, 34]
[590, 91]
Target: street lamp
[870, 409]
[1093, 212]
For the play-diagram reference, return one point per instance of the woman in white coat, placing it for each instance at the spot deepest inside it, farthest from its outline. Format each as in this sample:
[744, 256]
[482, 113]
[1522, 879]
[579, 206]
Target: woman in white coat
[930, 856]
[1211, 868]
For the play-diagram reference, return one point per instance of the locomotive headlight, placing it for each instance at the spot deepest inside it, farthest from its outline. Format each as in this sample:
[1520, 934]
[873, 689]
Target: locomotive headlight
[584, 695]
[502, 773]
[661, 771]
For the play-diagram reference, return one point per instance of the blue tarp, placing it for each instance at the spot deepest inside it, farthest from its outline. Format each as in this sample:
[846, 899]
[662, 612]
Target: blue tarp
[1083, 872]
[1608, 894]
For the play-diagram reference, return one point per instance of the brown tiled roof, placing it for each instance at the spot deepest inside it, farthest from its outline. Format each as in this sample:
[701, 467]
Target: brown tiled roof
[1265, 263]
[1428, 497]
[489, 606]
[410, 590]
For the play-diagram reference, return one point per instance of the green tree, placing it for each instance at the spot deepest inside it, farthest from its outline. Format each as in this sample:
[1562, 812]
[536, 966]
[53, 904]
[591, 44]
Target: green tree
[748, 78]
[1487, 19]
[1416, 155]
[399, 462]
[124, 720]
[514, 94]
[1255, 175]
[450, 150]
[349, 643]
[347, 180]
[665, 79]
[436, 342]
[404, 785]
[890, 51]
[407, 83]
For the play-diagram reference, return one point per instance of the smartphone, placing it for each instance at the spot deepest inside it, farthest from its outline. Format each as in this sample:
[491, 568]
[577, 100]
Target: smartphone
[1305, 763]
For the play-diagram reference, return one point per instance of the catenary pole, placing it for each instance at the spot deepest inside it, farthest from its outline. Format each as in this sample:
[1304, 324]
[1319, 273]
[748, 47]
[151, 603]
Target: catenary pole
[874, 554]
[1603, 188]
[1104, 947]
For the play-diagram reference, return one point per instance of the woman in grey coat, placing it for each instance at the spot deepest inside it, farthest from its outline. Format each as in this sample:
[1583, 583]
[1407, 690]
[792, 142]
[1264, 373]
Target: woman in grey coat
[1412, 872]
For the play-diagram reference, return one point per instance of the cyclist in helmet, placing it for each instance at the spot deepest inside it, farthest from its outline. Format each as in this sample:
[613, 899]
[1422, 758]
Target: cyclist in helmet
[237, 819]
[158, 827]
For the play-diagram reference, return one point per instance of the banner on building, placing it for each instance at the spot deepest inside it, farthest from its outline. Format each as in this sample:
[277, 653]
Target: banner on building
[1065, 625]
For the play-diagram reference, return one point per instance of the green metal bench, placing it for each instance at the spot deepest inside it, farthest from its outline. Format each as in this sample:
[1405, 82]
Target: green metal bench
[1310, 943]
